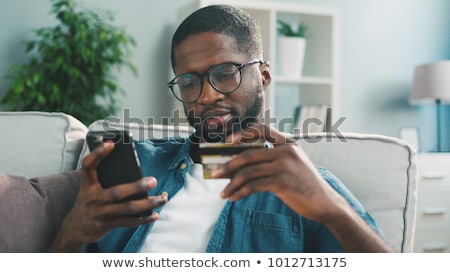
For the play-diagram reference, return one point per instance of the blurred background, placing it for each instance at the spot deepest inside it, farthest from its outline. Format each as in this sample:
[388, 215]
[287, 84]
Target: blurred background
[379, 45]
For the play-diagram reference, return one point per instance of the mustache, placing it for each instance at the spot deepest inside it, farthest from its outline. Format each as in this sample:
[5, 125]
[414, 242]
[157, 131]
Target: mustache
[217, 108]
[205, 113]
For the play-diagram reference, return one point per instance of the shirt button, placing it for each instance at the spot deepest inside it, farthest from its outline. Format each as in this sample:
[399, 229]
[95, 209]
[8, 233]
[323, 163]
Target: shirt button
[183, 166]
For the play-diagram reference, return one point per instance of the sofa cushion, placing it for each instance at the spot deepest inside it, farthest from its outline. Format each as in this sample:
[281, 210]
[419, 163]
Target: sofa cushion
[32, 210]
[59, 139]
[380, 171]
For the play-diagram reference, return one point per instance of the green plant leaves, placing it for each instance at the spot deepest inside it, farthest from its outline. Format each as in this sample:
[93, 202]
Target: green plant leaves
[71, 68]
[288, 30]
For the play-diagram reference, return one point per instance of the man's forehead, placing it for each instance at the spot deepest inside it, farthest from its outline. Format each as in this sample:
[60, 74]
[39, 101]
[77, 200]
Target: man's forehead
[205, 49]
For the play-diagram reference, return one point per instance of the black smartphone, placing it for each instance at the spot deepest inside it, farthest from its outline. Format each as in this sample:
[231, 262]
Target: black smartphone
[122, 164]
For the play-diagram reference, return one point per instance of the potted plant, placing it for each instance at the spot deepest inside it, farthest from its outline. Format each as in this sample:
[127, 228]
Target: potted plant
[72, 65]
[291, 48]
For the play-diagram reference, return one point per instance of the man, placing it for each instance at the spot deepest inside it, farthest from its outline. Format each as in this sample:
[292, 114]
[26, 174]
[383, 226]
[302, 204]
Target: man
[275, 200]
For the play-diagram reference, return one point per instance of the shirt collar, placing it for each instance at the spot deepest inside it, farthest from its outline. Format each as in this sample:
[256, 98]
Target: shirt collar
[182, 155]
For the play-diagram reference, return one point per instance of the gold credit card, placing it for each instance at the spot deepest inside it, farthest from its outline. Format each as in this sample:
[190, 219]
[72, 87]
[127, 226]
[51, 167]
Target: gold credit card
[212, 154]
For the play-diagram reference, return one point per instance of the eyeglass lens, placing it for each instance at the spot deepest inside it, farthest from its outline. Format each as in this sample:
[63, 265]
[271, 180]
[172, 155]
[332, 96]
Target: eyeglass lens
[225, 78]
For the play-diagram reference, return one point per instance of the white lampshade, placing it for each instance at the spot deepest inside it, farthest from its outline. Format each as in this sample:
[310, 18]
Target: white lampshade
[431, 83]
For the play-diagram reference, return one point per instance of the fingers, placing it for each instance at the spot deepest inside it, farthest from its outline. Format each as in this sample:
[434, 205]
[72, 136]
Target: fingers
[120, 192]
[133, 207]
[132, 221]
[103, 225]
[92, 161]
[125, 213]
[259, 170]
[251, 179]
[247, 170]
[112, 194]
[259, 132]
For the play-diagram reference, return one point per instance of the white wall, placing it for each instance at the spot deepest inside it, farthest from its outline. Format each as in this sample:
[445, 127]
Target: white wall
[381, 42]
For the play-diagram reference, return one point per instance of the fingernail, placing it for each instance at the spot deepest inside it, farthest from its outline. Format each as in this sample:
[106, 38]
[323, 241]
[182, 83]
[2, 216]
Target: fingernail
[164, 197]
[222, 195]
[154, 216]
[107, 144]
[150, 182]
[216, 170]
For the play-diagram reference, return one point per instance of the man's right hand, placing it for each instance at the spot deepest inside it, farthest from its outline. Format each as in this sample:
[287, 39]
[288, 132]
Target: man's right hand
[98, 210]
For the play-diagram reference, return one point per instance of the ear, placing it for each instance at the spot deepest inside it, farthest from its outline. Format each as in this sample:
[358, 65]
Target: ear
[265, 74]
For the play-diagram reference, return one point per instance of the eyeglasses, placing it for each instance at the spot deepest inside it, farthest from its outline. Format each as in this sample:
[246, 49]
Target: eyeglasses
[224, 78]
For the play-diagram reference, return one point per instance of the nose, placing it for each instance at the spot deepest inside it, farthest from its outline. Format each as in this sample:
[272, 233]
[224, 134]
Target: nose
[209, 95]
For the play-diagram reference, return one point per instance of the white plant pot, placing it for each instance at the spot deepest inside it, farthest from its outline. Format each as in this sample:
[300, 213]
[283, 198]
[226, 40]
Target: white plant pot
[291, 52]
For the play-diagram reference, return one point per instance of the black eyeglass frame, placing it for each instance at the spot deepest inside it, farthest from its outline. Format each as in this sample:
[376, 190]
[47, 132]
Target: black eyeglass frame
[207, 74]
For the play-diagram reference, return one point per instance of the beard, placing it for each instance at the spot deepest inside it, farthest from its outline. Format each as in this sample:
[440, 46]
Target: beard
[211, 133]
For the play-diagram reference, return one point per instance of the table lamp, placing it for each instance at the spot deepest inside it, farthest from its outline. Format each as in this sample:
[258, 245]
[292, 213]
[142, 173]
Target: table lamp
[431, 84]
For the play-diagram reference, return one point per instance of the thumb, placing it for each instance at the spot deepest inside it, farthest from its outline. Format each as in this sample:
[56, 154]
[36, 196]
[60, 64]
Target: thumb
[93, 160]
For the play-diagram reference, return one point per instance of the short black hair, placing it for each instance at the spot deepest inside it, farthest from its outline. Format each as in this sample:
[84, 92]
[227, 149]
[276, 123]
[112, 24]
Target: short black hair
[223, 19]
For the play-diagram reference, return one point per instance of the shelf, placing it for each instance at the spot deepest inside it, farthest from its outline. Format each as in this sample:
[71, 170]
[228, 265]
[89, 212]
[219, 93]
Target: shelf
[320, 85]
[303, 80]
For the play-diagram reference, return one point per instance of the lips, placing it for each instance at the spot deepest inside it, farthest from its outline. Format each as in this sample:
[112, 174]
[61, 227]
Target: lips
[216, 118]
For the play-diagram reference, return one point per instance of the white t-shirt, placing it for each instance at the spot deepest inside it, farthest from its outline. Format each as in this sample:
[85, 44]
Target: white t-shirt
[186, 222]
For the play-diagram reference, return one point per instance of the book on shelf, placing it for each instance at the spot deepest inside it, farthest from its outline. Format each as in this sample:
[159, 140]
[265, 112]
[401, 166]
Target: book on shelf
[310, 119]
[296, 115]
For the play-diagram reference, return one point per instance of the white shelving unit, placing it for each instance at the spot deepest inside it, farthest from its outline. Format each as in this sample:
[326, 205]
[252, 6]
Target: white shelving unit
[319, 82]
[433, 203]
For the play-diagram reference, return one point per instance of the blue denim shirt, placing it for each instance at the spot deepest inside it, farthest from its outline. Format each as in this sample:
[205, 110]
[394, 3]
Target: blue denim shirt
[258, 223]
